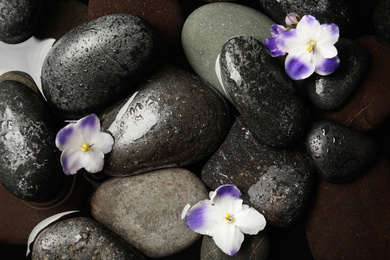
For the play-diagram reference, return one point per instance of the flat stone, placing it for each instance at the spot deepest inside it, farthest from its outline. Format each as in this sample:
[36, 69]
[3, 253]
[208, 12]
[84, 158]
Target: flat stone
[81, 238]
[207, 29]
[339, 153]
[262, 93]
[278, 183]
[174, 119]
[368, 107]
[166, 17]
[29, 159]
[332, 91]
[96, 63]
[145, 209]
[351, 220]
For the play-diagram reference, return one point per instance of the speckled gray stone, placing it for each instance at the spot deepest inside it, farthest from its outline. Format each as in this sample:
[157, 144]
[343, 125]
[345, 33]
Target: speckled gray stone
[254, 247]
[29, 160]
[174, 119]
[332, 91]
[278, 183]
[19, 19]
[82, 238]
[96, 63]
[210, 26]
[146, 209]
[263, 94]
[339, 153]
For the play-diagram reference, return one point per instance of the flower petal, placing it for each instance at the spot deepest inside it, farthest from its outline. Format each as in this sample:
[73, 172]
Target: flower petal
[308, 28]
[276, 29]
[204, 218]
[270, 44]
[249, 221]
[70, 161]
[288, 41]
[300, 65]
[66, 137]
[329, 34]
[88, 126]
[229, 239]
[92, 160]
[325, 66]
[326, 51]
[102, 141]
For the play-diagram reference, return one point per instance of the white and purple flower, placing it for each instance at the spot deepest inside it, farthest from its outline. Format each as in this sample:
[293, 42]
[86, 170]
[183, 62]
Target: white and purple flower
[310, 47]
[224, 218]
[83, 145]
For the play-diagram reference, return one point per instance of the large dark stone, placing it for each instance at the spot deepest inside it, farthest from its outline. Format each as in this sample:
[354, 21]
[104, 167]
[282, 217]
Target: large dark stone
[96, 63]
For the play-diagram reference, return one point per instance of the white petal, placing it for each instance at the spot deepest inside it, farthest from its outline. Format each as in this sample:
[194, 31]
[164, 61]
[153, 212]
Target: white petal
[92, 160]
[249, 221]
[327, 52]
[68, 137]
[103, 142]
[228, 238]
[299, 65]
[325, 66]
[226, 198]
[89, 127]
[288, 41]
[70, 161]
[329, 34]
[308, 28]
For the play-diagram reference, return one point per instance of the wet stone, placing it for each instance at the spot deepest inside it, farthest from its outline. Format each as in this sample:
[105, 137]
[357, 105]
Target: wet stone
[339, 153]
[332, 91]
[19, 19]
[81, 238]
[145, 209]
[96, 63]
[29, 159]
[262, 93]
[174, 119]
[278, 183]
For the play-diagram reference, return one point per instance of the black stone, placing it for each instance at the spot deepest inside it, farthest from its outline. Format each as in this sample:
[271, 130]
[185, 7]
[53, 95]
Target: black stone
[81, 238]
[29, 160]
[96, 63]
[381, 18]
[332, 91]
[174, 119]
[278, 183]
[339, 153]
[339, 12]
[19, 19]
[262, 93]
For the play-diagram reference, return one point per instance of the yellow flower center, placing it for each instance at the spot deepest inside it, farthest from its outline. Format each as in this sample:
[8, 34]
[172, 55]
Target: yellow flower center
[85, 147]
[310, 46]
[229, 219]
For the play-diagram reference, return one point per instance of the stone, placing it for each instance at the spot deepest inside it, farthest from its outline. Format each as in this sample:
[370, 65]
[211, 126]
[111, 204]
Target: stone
[339, 12]
[207, 29]
[332, 91]
[262, 93]
[166, 17]
[19, 19]
[19, 217]
[174, 119]
[61, 17]
[278, 183]
[350, 221]
[29, 159]
[81, 238]
[96, 63]
[254, 247]
[23, 78]
[145, 209]
[339, 153]
[368, 107]
[381, 19]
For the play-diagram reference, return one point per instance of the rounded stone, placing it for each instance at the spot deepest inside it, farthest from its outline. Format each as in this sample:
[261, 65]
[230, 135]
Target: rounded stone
[174, 119]
[381, 18]
[19, 19]
[145, 209]
[351, 220]
[29, 159]
[96, 63]
[339, 153]
[332, 91]
[207, 29]
[23, 78]
[165, 16]
[81, 238]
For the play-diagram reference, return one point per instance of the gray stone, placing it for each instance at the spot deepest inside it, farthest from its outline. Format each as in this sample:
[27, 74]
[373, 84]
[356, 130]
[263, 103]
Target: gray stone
[254, 247]
[263, 94]
[339, 153]
[332, 91]
[278, 183]
[81, 238]
[381, 18]
[19, 19]
[96, 63]
[146, 209]
[210, 26]
[29, 160]
[174, 119]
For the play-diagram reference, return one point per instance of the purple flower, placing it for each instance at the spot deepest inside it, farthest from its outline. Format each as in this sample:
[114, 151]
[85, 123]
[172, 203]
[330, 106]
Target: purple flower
[83, 145]
[224, 218]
